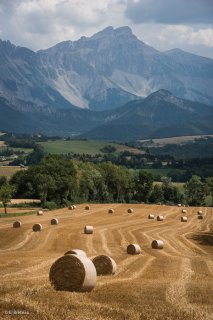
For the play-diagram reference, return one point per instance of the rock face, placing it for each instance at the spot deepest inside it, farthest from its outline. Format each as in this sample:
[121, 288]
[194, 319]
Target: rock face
[101, 72]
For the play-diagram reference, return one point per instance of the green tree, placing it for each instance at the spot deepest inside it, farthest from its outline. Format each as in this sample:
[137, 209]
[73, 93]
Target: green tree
[209, 187]
[143, 185]
[195, 191]
[6, 193]
[45, 183]
[170, 192]
[157, 194]
[3, 180]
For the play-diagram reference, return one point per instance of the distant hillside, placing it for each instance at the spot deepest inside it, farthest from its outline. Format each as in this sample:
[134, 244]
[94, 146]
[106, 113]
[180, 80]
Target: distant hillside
[159, 115]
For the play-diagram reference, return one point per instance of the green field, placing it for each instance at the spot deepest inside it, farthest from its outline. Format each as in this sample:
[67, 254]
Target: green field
[91, 147]
[163, 172]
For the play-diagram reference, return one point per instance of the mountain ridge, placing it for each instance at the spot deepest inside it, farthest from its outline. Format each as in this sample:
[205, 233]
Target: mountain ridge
[100, 72]
[159, 115]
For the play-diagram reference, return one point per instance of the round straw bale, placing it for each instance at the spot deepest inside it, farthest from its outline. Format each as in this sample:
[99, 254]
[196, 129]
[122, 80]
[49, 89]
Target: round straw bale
[184, 211]
[200, 212]
[87, 208]
[70, 208]
[88, 229]
[78, 252]
[17, 224]
[133, 249]
[111, 210]
[73, 273]
[37, 227]
[104, 265]
[54, 221]
[151, 216]
[179, 204]
[74, 206]
[160, 218]
[183, 219]
[40, 213]
[157, 244]
[130, 210]
[200, 216]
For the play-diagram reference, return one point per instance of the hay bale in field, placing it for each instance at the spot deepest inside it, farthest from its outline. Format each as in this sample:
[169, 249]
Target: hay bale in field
[70, 208]
[179, 204]
[160, 218]
[184, 211]
[78, 252]
[88, 229]
[200, 216]
[87, 208]
[183, 219]
[104, 265]
[200, 212]
[74, 206]
[151, 216]
[37, 227]
[157, 244]
[40, 213]
[111, 210]
[130, 210]
[133, 249]
[17, 224]
[73, 273]
[54, 221]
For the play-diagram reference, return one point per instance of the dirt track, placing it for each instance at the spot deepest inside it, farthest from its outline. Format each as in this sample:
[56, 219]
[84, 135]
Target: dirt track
[168, 284]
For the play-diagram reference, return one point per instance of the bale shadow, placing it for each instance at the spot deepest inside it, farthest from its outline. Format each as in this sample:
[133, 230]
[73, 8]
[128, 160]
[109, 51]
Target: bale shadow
[204, 238]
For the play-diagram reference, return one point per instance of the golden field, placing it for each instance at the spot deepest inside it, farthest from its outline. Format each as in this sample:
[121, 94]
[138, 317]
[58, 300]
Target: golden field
[173, 283]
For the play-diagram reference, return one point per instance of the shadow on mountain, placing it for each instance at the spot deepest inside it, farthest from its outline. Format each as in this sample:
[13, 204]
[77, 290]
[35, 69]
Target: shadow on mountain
[204, 238]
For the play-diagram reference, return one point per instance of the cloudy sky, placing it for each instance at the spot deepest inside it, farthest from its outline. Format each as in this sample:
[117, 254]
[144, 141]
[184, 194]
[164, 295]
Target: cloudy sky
[163, 24]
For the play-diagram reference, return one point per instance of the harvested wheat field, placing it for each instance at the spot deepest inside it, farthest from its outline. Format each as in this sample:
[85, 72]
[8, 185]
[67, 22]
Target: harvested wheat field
[175, 282]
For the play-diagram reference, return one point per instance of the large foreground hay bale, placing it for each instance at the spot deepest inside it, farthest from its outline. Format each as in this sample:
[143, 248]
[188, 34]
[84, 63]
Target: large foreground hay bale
[183, 219]
[87, 208]
[17, 224]
[151, 216]
[111, 210]
[78, 252]
[157, 244]
[130, 210]
[160, 218]
[54, 221]
[88, 229]
[104, 265]
[184, 211]
[200, 216]
[40, 213]
[37, 227]
[133, 249]
[73, 273]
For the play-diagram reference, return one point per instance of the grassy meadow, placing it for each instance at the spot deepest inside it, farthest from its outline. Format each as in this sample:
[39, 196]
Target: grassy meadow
[91, 147]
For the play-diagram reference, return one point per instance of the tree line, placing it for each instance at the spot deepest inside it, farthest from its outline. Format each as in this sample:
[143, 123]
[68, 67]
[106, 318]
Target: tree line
[59, 181]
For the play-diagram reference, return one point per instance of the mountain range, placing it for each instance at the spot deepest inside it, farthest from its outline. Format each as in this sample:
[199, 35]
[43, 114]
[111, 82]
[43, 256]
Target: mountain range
[109, 86]
[159, 115]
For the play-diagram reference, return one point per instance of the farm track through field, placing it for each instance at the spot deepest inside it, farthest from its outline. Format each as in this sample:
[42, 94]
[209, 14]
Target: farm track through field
[155, 285]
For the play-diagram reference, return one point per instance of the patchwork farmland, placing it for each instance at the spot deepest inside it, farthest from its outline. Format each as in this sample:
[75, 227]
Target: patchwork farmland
[175, 282]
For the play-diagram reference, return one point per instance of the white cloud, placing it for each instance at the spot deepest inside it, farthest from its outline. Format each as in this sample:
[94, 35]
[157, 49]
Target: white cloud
[42, 23]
